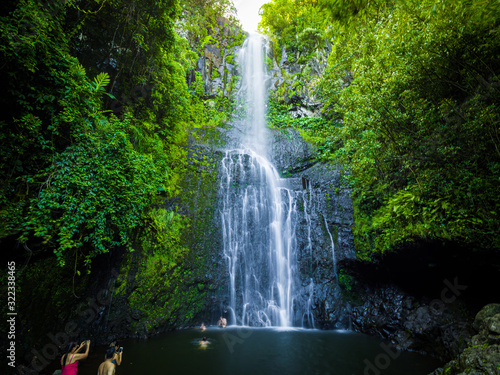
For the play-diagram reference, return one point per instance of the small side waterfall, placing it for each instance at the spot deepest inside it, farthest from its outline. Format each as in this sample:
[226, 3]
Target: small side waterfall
[259, 216]
[332, 244]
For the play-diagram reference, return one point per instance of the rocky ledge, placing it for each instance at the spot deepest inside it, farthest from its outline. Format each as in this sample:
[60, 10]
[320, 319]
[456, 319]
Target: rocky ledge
[482, 357]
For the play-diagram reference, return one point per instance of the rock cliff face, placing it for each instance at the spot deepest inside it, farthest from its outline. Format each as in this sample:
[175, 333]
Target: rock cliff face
[296, 83]
[324, 233]
[217, 61]
[373, 298]
[385, 304]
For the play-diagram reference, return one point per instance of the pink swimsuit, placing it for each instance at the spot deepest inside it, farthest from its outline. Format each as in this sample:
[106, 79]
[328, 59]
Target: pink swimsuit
[70, 369]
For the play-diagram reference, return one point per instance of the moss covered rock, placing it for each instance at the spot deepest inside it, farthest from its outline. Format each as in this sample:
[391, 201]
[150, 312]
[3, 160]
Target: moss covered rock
[482, 357]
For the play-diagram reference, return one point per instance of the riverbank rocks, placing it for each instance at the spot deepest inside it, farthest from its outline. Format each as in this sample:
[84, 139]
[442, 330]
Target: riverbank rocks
[493, 324]
[482, 357]
[409, 322]
[483, 317]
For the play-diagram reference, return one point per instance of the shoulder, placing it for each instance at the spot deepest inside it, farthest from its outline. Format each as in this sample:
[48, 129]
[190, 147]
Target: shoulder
[77, 357]
[105, 365]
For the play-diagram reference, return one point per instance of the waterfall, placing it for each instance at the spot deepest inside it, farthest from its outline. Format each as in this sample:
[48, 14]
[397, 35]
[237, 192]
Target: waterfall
[307, 216]
[332, 244]
[253, 93]
[259, 216]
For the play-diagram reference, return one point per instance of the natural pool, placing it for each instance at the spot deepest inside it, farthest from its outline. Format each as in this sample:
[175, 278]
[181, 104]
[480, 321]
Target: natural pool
[241, 350]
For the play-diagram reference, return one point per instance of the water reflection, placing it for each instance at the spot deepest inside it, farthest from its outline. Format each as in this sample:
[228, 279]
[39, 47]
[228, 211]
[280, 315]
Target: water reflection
[243, 350]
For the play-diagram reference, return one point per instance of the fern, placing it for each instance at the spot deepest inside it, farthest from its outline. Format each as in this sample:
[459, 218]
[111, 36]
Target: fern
[101, 81]
[80, 69]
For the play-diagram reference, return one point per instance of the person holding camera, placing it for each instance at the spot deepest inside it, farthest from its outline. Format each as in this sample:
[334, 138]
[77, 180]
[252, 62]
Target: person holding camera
[117, 358]
[113, 359]
[69, 361]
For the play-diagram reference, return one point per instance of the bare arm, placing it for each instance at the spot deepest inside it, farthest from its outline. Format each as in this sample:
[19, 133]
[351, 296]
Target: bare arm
[118, 358]
[80, 356]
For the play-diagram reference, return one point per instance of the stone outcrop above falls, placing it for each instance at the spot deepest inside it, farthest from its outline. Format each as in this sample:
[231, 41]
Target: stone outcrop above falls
[297, 82]
[217, 61]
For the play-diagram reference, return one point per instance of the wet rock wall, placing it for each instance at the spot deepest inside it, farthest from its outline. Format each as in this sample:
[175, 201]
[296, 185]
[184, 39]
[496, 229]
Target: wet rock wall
[398, 297]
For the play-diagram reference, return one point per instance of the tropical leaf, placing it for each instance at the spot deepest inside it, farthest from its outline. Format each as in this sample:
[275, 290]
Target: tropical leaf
[101, 81]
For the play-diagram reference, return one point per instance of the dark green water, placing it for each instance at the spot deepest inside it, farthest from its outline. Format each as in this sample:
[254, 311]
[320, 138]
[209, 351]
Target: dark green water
[240, 351]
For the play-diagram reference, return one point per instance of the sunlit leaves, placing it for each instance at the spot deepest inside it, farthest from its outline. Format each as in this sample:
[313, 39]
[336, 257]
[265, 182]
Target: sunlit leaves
[95, 193]
[415, 86]
[101, 81]
[299, 26]
[77, 179]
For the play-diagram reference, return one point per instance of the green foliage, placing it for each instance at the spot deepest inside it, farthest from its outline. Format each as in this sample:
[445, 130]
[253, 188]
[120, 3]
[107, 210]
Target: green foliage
[102, 100]
[162, 275]
[297, 25]
[101, 81]
[72, 176]
[84, 160]
[410, 95]
[416, 87]
[159, 286]
[203, 20]
[349, 287]
[95, 192]
[313, 129]
[299, 28]
[345, 281]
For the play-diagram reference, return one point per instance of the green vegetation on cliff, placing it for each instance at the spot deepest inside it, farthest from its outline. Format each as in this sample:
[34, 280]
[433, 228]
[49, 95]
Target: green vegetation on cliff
[103, 96]
[415, 87]
[100, 110]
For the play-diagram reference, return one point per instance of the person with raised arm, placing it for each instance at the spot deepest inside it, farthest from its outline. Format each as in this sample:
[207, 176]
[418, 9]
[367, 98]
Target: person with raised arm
[70, 359]
[113, 359]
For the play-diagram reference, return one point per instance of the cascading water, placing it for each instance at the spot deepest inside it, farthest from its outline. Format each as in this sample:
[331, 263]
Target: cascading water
[259, 215]
[334, 262]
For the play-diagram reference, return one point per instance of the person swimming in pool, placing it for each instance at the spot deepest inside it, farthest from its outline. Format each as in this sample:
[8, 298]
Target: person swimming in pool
[222, 322]
[204, 342]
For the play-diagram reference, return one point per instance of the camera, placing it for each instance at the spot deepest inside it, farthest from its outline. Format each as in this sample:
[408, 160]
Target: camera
[120, 349]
